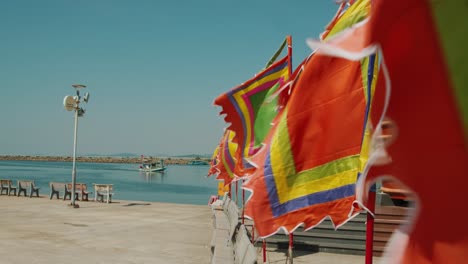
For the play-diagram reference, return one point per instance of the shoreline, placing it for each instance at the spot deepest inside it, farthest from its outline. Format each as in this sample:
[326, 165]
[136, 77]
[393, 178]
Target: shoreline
[98, 159]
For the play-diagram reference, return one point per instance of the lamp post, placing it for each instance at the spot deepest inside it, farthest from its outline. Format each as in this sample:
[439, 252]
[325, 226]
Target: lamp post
[73, 103]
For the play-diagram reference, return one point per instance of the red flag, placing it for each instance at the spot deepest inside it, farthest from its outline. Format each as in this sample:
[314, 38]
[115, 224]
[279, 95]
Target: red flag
[309, 164]
[423, 44]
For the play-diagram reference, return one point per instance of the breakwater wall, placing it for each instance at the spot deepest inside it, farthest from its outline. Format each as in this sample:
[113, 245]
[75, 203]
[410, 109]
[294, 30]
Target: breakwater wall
[100, 159]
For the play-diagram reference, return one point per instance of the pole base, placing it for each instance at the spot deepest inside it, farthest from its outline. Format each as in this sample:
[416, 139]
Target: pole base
[74, 205]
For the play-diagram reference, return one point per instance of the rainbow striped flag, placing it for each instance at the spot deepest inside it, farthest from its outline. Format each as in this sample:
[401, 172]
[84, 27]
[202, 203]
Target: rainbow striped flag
[214, 161]
[250, 114]
[226, 160]
[309, 167]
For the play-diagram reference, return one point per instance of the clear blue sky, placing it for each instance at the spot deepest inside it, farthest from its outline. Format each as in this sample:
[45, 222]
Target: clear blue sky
[153, 69]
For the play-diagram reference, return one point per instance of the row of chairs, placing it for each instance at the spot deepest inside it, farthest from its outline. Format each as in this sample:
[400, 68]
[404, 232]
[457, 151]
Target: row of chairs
[29, 188]
[101, 191]
[22, 187]
[66, 188]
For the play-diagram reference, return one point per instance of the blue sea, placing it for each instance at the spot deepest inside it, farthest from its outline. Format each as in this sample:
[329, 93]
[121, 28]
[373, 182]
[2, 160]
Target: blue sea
[183, 184]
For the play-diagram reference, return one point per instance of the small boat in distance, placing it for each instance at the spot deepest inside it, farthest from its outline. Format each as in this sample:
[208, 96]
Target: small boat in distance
[197, 162]
[148, 166]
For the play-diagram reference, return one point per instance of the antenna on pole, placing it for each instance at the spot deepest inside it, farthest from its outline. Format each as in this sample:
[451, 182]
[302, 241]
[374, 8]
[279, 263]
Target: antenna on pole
[73, 103]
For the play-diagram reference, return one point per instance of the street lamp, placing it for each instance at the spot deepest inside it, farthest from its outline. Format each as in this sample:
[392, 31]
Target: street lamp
[73, 103]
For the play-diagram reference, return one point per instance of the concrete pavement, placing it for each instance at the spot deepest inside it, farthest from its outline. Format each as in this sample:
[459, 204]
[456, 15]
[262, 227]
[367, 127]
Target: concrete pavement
[39, 230]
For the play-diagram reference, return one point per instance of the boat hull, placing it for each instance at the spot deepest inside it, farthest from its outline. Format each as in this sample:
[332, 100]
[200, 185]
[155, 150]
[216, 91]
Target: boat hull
[153, 169]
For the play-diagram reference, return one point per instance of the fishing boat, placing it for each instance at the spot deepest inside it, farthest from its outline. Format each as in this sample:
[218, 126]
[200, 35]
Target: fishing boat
[197, 162]
[148, 166]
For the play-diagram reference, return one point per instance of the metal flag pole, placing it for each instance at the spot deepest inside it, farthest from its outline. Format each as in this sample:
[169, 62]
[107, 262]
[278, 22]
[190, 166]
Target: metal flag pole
[370, 225]
[291, 235]
[237, 192]
[243, 203]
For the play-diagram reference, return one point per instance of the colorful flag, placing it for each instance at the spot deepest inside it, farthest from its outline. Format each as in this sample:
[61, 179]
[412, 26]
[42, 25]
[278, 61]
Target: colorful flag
[214, 161]
[226, 160]
[249, 114]
[425, 96]
[309, 166]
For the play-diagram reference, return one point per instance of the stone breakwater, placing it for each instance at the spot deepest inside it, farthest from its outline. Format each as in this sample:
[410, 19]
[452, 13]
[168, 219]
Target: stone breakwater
[169, 160]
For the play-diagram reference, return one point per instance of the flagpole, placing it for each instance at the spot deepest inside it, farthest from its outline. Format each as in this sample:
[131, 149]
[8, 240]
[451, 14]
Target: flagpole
[237, 192]
[370, 226]
[334, 20]
[373, 189]
[291, 235]
[243, 202]
[253, 233]
[290, 248]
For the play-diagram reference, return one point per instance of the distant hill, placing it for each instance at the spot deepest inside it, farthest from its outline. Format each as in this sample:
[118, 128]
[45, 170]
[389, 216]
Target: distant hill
[124, 154]
[193, 156]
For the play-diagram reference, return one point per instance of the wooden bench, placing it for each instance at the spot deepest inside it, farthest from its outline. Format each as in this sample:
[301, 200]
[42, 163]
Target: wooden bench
[56, 187]
[80, 189]
[103, 190]
[23, 187]
[7, 186]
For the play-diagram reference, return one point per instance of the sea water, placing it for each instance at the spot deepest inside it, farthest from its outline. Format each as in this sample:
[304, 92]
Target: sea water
[183, 184]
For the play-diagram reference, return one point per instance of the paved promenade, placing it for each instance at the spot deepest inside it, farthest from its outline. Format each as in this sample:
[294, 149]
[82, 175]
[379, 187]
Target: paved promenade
[39, 230]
